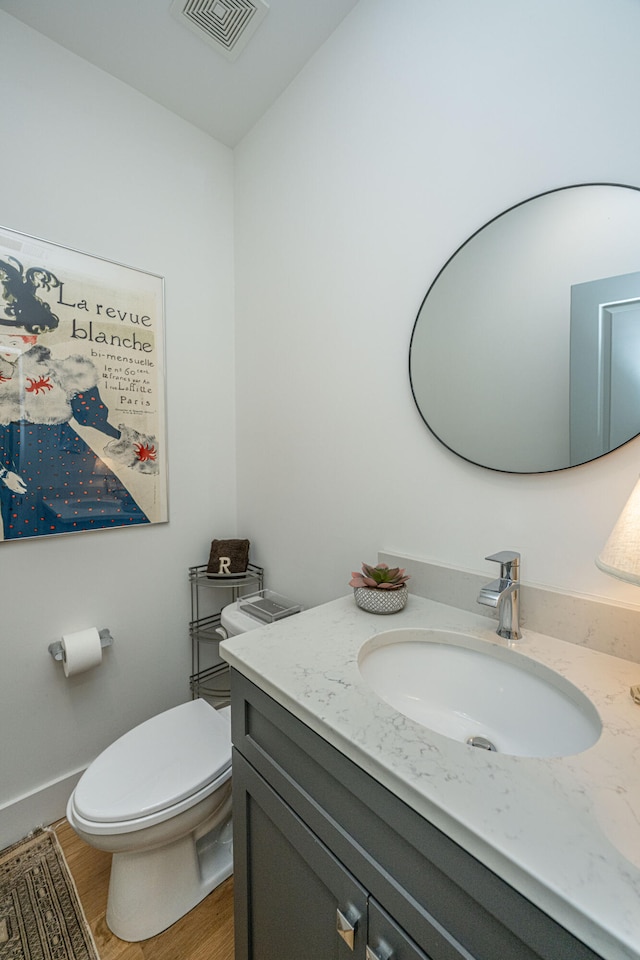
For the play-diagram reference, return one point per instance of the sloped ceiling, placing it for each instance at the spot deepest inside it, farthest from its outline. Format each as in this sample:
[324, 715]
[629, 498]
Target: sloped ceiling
[142, 44]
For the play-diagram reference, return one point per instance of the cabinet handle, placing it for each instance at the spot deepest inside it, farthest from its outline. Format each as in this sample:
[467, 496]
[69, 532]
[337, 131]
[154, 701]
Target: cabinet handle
[346, 924]
[386, 953]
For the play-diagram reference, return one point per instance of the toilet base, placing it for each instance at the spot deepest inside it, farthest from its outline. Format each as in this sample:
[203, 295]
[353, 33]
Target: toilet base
[151, 889]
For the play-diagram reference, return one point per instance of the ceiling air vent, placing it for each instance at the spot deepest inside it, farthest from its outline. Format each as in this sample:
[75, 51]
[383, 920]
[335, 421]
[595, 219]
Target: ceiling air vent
[227, 25]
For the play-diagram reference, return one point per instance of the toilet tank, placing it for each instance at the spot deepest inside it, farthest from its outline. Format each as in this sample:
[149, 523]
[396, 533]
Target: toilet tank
[256, 610]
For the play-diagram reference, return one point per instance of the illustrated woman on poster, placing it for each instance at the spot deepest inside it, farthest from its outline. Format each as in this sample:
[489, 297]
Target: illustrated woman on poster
[51, 481]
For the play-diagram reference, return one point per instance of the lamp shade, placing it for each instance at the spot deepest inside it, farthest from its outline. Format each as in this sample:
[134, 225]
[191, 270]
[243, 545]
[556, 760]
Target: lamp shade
[621, 554]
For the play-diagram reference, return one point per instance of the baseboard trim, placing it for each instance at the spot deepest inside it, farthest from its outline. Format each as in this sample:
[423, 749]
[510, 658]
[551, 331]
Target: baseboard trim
[42, 806]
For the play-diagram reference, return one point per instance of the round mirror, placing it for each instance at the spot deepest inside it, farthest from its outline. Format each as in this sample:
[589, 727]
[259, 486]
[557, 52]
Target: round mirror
[525, 354]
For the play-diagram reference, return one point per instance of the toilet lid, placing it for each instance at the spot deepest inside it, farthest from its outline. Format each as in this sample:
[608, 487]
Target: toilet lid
[159, 763]
[235, 621]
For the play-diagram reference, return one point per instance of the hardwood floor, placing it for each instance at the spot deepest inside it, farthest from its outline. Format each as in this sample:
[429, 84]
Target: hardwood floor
[206, 933]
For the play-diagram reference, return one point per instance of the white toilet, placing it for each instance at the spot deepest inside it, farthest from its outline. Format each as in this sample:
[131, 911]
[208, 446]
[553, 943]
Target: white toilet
[233, 620]
[159, 800]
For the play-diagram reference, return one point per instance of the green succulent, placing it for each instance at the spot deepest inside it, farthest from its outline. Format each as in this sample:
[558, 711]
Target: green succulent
[382, 576]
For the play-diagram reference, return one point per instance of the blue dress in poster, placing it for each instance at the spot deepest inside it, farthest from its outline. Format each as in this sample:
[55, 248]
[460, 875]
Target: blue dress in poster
[51, 481]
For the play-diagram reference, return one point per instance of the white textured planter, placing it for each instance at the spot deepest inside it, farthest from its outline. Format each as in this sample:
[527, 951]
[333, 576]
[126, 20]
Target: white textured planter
[375, 600]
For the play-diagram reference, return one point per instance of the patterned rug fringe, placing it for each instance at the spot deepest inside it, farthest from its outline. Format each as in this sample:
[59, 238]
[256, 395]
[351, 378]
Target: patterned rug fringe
[40, 913]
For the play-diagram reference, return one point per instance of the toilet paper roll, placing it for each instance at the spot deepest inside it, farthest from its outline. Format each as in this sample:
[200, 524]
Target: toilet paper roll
[81, 651]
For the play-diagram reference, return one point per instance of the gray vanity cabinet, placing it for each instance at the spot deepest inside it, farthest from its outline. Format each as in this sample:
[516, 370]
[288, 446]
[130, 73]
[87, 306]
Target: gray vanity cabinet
[320, 847]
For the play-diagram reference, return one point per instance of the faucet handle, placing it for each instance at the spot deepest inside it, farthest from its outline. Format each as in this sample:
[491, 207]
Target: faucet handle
[509, 562]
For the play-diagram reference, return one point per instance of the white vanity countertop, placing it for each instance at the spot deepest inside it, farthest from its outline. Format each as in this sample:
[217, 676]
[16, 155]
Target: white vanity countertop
[564, 831]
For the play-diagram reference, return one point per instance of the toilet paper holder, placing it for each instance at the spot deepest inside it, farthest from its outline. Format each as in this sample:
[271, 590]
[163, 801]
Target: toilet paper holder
[55, 648]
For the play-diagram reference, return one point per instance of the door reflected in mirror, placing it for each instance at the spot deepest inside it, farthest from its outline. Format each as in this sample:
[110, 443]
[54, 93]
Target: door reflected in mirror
[525, 354]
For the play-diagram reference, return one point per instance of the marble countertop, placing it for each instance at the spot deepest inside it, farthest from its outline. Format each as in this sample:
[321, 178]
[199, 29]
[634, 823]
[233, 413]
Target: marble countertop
[564, 831]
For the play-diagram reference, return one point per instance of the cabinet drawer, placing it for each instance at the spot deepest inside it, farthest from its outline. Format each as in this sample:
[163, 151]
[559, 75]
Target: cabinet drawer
[387, 941]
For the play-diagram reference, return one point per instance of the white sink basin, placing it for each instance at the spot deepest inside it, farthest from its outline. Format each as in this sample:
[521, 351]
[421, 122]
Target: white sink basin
[463, 687]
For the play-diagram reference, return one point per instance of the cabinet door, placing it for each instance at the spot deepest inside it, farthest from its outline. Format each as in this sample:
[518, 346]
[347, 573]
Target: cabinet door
[294, 900]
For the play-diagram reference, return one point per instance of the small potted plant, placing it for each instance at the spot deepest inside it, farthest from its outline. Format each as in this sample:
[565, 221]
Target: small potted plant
[380, 589]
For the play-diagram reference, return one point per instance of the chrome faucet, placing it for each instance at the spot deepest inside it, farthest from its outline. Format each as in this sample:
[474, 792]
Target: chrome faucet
[505, 594]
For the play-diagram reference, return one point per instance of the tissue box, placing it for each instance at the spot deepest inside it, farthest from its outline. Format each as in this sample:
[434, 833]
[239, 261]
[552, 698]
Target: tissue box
[268, 606]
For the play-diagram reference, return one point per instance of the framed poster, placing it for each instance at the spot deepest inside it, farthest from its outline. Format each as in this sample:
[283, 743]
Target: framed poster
[82, 392]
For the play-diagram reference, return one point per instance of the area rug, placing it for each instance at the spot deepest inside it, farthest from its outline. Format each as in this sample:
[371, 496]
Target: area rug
[40, 914]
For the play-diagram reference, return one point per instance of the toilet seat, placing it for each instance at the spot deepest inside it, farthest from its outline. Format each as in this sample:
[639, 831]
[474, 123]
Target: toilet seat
[155, 771]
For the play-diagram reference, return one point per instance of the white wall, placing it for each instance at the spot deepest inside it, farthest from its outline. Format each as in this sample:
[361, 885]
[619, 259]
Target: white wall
[408, 131]
[88, 163]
